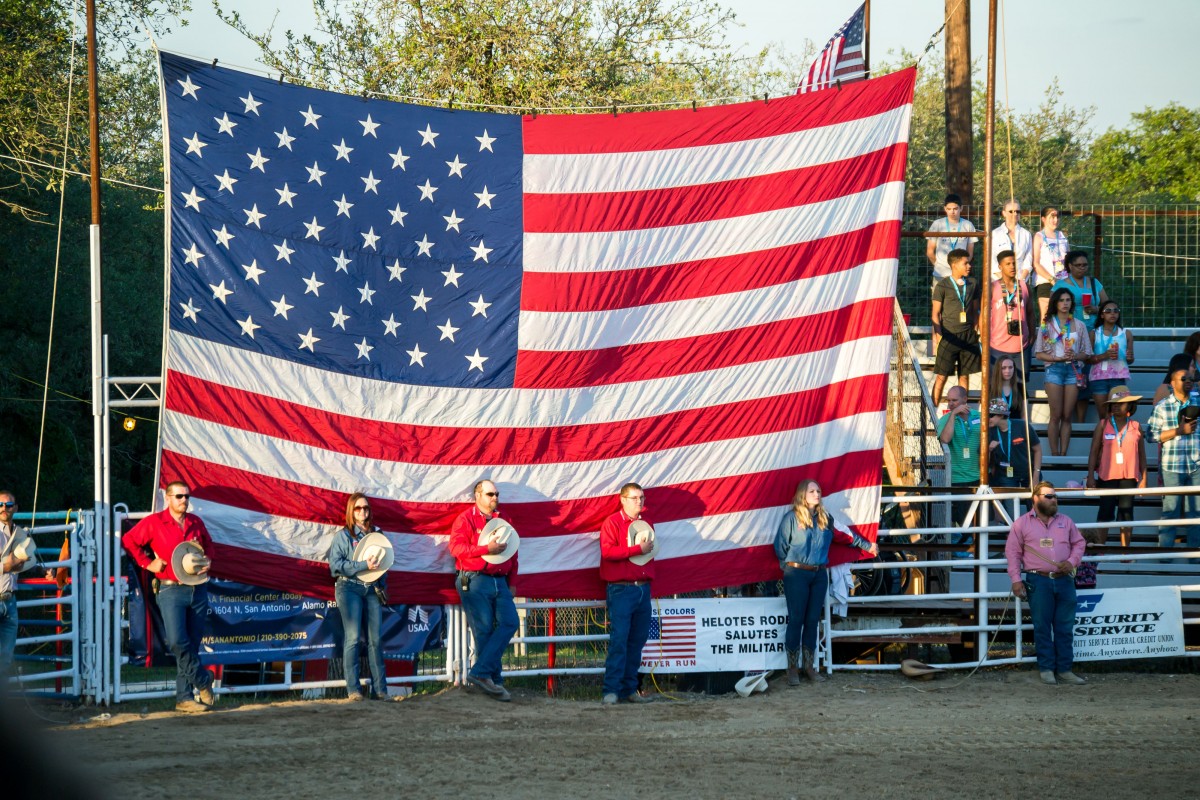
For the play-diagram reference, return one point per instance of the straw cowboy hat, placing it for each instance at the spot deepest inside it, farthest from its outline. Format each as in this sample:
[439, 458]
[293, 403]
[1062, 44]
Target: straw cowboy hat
[187, 559]
[917, 670]
[640, 531]
[507, 535]
[751, 684]
[22, 547]
[374, 545]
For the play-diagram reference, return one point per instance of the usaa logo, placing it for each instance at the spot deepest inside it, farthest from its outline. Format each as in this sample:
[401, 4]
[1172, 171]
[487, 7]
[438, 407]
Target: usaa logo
[418, 619]
[1086, 603]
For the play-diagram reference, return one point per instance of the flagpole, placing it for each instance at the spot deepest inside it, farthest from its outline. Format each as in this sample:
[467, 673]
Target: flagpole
[867, 38]
[985, 317]
[98, 387]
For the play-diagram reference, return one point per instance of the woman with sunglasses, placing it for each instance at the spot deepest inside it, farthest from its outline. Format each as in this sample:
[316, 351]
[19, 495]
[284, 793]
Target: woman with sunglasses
[357, 600]
[1112, 345]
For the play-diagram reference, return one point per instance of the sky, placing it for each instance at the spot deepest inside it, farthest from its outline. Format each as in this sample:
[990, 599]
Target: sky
[1114, 55]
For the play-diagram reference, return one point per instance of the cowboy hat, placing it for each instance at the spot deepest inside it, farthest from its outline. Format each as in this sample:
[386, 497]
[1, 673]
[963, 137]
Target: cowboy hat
[507, 535]
[187, 559]
[23, 548]
[640, 531]
[374, 545]
[751, 684]
[1121, 394]
[917, 670]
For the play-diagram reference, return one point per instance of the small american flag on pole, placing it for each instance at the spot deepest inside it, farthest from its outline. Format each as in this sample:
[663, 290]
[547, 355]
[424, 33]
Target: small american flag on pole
[841, 60]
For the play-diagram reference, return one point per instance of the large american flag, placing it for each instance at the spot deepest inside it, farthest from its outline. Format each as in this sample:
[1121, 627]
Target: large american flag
[841, 60]
[401, 299]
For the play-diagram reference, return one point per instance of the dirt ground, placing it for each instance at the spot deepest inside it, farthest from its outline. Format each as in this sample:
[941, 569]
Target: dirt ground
[996, 734]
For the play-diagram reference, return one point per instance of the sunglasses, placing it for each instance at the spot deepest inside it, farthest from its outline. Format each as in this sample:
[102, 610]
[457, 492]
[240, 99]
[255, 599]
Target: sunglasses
[8, 505]
[181, 496]
[362, 508]
[491, 494]
[1051, 496]
[1111, 311]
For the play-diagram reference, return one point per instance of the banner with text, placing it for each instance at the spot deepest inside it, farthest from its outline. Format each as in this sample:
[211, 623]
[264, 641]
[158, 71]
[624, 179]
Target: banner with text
[1128, 623]
[733, 635]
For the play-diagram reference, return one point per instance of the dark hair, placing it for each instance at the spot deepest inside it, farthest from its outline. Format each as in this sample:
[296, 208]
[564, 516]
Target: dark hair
[1052, 307]
[1003, 254]
[1192, 344]
[1100, 317]
[952, 198]
[1179, 361]
[1074, 254]
[1046, 210]
[995, 380]
[957, 254]
[353, 501]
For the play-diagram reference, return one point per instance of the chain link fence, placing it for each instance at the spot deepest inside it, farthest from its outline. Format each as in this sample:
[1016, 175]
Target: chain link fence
[1147, 258]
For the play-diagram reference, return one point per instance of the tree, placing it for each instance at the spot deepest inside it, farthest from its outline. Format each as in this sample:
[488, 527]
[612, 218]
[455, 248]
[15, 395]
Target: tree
[517, 53]
[1154, 159]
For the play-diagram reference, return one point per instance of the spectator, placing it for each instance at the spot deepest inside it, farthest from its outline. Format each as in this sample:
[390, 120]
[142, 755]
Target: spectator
[1190, 348]
[1049, 251]
[1047, 547]
[938, 249]
[1007, 384]
[1089, 293]
[357, 599]
[627, 567]
[1179, 462]
[1064, 345]
[1117, 459]
[1112, 346]
[1010, 234]
[10, 565]
[955, 325]
[959, 428]
[1011, 327]
[1014, 450]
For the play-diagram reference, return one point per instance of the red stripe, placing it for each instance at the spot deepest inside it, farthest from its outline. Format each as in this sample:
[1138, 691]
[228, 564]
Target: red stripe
[687, 500]
[789, 337]
[685, 205]
[421, 444]
[604, 291]
[660, 130]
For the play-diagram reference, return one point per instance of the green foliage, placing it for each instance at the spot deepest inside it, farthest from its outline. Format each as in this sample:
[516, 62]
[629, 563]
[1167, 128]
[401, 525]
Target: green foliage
[1154, 159]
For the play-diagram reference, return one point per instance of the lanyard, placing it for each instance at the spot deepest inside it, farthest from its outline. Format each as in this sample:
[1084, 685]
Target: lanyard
[966, 430]
[962, 296]
[958, 227]
[1006, 451]
[1053, 245]
[1104, 341]
[1119, 434]
[1010, 297]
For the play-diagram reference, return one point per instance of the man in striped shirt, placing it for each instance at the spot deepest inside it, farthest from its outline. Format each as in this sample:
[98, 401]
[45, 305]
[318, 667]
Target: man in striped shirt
[1180, 461]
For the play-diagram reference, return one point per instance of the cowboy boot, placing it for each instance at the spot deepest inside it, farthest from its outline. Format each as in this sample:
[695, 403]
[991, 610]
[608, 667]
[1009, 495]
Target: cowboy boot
[810, 668]
[793, 668]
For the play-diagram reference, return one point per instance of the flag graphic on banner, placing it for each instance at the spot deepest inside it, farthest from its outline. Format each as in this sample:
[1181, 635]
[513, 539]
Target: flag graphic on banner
[401, 300]
[671, 636]
[842, 59]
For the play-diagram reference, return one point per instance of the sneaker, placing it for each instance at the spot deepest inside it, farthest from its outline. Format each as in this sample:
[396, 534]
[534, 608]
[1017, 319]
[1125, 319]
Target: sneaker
[1048, 677]
[503, 696]
[191, 707]
[486, 684]
[355, 697]
[1071, 679]
[636, 698]
[609, 699]
[208, 696]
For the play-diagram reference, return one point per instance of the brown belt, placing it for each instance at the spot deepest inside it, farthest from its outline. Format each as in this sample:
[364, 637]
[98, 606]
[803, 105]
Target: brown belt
[1048, 574]
[798, 565]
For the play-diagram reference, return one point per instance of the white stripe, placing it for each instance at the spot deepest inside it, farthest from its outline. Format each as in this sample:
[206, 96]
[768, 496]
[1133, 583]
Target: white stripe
[689, 166]
[683, 319]
[525, 483]
[430, 554]
[364, 398]
[609, 251]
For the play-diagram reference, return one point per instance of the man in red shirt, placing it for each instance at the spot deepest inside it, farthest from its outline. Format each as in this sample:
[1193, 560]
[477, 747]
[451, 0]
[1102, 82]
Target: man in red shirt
[628, 598]
[184, 608]
[484, 591]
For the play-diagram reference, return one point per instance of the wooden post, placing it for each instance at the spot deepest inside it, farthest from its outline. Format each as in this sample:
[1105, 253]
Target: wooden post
[959, 151]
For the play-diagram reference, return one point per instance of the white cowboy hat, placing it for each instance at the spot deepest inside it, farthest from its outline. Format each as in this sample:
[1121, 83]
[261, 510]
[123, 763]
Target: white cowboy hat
[507, 535]
[186, 560]
[917, 670]
[374, 545]
[22, 547]
[640, 531]
[751, 684]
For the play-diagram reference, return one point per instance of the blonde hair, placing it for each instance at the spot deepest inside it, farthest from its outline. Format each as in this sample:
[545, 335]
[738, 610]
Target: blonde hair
[804, 517]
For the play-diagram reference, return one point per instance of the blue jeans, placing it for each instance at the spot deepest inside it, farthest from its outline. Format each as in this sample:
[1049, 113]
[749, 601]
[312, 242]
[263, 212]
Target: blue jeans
[8, 636]
[492, 617]
[1052, 609]
[805, 592]
[628, 629]
[351, 598]
[183, 611]
[1176, 506]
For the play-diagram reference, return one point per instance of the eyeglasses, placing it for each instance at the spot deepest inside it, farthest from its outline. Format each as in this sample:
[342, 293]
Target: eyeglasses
[491, 494]
[1111, 311]
[1012, 211]
[362, 508]
[1050, 496]
[641, 498]
[8, 504]
[181, 496]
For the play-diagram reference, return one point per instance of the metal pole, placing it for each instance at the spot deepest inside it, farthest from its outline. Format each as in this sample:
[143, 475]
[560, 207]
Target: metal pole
[867, 38]
[985, 319]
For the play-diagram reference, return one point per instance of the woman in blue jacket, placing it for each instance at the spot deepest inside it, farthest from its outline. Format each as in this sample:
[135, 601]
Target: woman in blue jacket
[356, 599]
